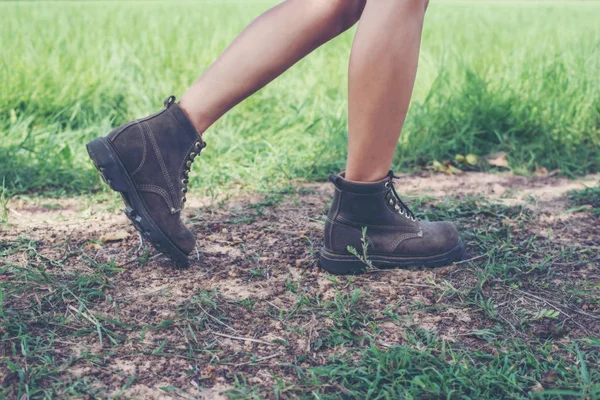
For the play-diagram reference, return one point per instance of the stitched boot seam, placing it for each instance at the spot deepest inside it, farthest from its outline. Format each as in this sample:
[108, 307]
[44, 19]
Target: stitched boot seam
[157, 190]
[143, 150]
[161, 161]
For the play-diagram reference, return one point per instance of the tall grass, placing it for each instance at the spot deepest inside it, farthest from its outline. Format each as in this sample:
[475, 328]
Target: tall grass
[521, 78]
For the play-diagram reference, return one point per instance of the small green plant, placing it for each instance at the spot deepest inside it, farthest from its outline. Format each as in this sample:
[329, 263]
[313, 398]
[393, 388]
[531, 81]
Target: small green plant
[291, 286]
[248, 303]
[259, 272]
[364, 257]
[590, 196]
[4, 198]
[545, 313]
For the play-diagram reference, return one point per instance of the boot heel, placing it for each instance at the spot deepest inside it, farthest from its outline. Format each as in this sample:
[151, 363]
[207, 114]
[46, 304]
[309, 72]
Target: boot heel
[107, 162]
[341, 265]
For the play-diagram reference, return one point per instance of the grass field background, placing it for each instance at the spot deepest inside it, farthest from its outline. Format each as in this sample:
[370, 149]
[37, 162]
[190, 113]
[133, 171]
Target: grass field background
[520, 78]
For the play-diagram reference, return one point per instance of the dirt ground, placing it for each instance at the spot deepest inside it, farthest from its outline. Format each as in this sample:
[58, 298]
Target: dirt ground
[260, 252]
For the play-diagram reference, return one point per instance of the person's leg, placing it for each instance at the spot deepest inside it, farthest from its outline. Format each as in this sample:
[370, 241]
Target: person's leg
[266, 48]
[382, 71]
[148, 160]
[365, 204]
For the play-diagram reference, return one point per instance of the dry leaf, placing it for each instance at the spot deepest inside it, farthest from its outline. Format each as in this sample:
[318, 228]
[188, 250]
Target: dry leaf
[498, 189]
[446, 167]
[540, 171]
[543, 172]
[554, 172]
[452, 170]
[437, 166]
[92, 245]
[471, 159]
[498, 159]
[460, 315]
[114, 236]
[537, 387]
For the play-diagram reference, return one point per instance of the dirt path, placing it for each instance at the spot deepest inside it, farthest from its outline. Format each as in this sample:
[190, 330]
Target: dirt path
[546, 194]
[258, 255]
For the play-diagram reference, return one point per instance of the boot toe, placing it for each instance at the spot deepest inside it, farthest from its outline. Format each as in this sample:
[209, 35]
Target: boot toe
[179, 235]
[186, 241]
[170, 224]
[438, 238]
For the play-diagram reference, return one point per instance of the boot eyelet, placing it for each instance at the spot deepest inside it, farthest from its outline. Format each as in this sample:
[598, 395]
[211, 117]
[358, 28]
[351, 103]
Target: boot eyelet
[183, 199]
[188, 164]
[173, 211]
[396, 207]
[401, 212]
[184, 181]
[184, 190]
[407, 216]
[185, 173]
[197, 145]
[387, 185]
[391, 202]
[192, 155]
[169, 101]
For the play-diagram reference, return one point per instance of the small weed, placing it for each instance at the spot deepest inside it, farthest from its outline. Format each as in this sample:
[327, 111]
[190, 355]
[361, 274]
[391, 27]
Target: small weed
[292, 286]
[202, 312]
[248, 303]
[364, 257]
[256, 273]
[544, 313]
[589, 197]
[4, 199]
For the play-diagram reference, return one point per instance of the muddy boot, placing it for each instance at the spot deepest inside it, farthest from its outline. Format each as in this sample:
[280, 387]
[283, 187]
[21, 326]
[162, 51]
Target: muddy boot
[148, 161]
[393, 237]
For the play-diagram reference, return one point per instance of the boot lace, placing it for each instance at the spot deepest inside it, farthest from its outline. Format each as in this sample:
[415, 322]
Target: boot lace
[394, 200]
[198, 146]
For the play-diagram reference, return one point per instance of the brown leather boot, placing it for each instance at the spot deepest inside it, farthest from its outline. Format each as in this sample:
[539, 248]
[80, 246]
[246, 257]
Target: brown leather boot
[394, 237]
[148, 161]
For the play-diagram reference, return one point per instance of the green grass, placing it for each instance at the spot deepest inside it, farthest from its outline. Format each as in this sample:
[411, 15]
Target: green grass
[519, 78]
[588, 198]
[433, 369]
[37, 367]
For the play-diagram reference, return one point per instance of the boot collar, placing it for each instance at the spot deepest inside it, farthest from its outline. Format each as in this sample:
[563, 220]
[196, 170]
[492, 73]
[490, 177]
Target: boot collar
[340, 182]
[181, 117]
[384, 185]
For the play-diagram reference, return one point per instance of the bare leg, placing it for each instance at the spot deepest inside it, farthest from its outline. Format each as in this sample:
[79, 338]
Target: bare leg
[266, 48]
[383, 65]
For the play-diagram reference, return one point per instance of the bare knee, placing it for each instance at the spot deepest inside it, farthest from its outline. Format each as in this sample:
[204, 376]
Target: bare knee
[342, 14]
[419, 6]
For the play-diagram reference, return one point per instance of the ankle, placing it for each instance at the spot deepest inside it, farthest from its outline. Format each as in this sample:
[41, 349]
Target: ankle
[365, 176]
[196, 118]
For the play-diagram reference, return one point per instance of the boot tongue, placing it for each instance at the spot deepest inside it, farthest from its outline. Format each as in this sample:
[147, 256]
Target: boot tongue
[342, 183]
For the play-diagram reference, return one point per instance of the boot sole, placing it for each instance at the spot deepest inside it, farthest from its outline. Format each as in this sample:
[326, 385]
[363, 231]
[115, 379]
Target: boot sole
[348, 264]
[113, 172]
